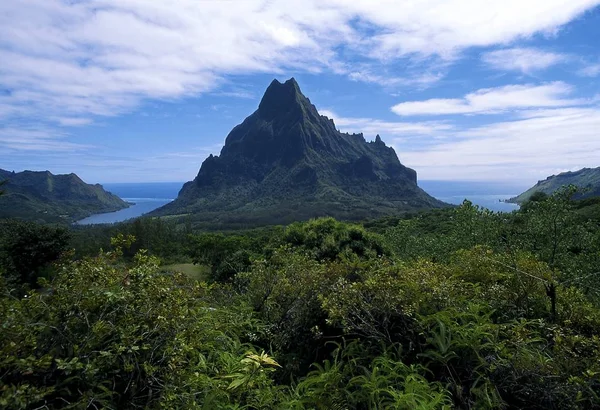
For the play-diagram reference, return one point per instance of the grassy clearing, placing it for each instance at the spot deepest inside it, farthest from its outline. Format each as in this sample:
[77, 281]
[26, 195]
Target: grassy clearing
[197, 272]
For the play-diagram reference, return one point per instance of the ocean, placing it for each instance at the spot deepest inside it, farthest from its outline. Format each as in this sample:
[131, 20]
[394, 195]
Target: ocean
[485, 194]
[152, 195]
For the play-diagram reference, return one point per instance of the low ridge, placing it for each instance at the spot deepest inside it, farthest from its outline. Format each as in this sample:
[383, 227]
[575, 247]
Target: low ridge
[286, 162]
[43, 196]
[587, 179]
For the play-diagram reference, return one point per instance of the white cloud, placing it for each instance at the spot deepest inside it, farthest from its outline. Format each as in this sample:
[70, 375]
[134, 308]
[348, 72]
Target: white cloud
[65, 59]
[37, 139]
[526, 60]
[493, 100]
[444, 27]
[236, 94]
[524, 150]
[422, 80]
[590, 71]
[73, 121]
[371, 127]
[539, 143]
[550, 133]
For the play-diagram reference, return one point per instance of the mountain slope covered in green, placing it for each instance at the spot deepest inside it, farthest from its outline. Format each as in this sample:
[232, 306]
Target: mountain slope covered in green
[43, 196]
[587, 179]
[286, 162]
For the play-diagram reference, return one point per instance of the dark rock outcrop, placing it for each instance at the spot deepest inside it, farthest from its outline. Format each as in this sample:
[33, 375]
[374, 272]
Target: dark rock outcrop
[287, 162]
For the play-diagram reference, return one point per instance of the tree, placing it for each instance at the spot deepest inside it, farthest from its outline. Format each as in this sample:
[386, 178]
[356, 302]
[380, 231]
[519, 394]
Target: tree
[109, 335]
[28, 249]
[326, 239]
[226, 255]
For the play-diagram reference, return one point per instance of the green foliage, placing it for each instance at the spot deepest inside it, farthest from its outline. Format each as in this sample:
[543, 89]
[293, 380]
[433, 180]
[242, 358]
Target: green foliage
[550, 226]
[226, 255]
[27, 250]
[284, 292]
[439, 235]
[44, 197]
[349, 380]
[586, 180]
[162, 238]
[461, 308]
[126, 337]
[326, 239]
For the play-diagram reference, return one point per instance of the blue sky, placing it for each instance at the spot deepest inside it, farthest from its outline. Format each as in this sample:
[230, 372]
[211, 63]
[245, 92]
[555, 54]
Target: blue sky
[144, 90]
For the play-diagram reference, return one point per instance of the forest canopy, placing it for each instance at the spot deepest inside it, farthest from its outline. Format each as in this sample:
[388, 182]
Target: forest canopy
[454, 308]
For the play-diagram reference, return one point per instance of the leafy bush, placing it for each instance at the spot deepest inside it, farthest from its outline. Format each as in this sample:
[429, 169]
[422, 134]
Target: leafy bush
[115, 336]
[326, 239]
[463, 308]
[28, 249]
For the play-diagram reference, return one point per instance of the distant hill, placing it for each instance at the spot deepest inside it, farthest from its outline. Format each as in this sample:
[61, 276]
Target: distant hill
[286, 162]
[44, 197]
[587, 178]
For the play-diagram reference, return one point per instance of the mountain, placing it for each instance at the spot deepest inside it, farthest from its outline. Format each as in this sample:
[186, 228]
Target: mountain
[45, 197]
[587, 178]
[286, 162]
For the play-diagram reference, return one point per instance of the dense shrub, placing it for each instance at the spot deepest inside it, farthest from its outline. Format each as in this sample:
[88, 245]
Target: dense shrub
[463, 308]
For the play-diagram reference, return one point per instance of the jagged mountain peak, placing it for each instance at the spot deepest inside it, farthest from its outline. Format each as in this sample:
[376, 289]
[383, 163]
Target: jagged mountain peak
[284, 99]
[287, 162]
[284, 128]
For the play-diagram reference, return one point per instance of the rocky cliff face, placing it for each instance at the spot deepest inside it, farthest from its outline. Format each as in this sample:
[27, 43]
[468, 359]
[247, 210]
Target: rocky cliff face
[287, 162]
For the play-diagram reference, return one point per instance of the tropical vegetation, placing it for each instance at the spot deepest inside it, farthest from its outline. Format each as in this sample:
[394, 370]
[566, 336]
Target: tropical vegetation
[454, 308]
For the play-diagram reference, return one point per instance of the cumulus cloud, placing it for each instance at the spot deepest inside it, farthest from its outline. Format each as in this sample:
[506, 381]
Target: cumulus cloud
[444, 27]
[493, 100]
[526, 60]
[66, 59]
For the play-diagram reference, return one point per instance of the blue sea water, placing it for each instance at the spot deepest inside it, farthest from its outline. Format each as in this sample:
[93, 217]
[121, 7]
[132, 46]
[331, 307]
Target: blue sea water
[485, 194]
[149, 196]
[145, 197]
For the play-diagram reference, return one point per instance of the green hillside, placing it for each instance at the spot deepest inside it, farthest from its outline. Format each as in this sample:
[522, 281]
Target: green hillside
[45, 197]
[587, 179]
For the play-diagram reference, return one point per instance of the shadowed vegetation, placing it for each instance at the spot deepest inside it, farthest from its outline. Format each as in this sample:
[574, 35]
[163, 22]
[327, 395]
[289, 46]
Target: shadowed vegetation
[458, 308]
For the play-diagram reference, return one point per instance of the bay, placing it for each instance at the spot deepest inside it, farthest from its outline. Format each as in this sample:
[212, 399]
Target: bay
[488, 195]
[149, 196]
[145, 197]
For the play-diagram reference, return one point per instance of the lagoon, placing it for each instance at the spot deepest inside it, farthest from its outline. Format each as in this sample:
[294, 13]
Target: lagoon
[140, 207]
